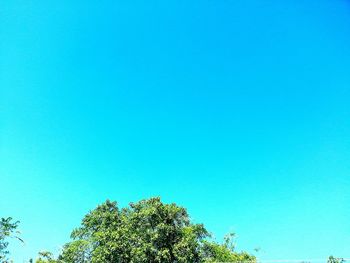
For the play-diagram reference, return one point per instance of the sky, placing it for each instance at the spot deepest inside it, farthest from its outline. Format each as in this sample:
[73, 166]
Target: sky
[237, 110]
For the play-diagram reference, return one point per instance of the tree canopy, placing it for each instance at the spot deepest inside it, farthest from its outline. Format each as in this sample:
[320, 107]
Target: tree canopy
[146, 231]
[333, 259]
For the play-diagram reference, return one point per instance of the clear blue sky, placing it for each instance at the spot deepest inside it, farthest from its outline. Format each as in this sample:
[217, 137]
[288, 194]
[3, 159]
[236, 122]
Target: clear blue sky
[238, 110]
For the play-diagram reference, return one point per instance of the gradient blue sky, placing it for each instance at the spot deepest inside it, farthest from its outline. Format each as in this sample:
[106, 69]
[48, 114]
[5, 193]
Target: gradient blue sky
[238, 110]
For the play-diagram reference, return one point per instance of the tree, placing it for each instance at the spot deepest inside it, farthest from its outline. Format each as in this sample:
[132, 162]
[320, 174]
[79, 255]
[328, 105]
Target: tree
[332, 259]
[225, 252]
[46, 257]
[77, 251]
[7, 230]
[146, 231]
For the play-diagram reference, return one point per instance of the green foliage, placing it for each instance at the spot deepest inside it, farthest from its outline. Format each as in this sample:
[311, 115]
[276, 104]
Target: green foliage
[146, 231]
[332, 259]
[214, 252]
[77, 251]
[46, 257]
[7, 230]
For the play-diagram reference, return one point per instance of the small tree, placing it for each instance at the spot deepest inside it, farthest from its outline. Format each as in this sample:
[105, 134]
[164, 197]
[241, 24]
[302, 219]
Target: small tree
[332, 259]
[45, 257]
[225, 252]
